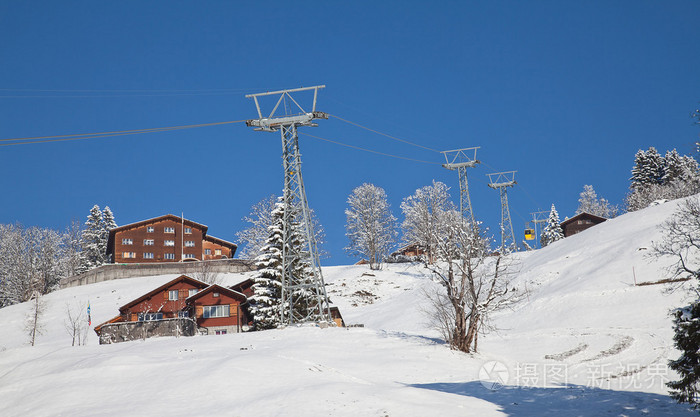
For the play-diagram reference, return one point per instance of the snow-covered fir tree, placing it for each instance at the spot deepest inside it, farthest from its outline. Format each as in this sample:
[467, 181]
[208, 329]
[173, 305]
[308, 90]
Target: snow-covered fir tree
[266, 301]
[589, 202]
[686, 325]
[108, 224]
[93, 239]
[370, 227]
[656, 177]
[648, 168]
[268, 284]
[552, 229]
[681, 241]
[304, 297]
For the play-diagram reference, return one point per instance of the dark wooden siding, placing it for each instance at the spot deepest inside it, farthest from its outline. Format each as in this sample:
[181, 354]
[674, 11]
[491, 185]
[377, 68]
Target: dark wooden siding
[139, 234]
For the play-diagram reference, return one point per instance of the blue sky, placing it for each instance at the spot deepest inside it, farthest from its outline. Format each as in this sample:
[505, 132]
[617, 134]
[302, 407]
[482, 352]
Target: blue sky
[562, 92]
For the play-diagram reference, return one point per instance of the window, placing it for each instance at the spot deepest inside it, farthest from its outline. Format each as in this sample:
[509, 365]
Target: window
[217, 252]
[168, 256]
[188, 230]
[148, 242]
[169, 243]
[148, 255]
[169, 230]
[207, 251]
[189, 243]
[150, 316]
[220, 331]
[215, 311]
[182, 314]
[129, 255]
[188, 256]
[172, 295]
[150, 229]
[215, 294]
[193, 291]
[127, 241]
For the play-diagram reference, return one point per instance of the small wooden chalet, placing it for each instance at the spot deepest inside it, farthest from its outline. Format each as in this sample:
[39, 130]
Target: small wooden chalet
[166, 238]
[219, 310]
[580, 222]
[179, 307]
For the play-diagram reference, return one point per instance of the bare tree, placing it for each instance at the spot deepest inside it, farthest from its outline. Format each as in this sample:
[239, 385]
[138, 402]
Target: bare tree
[681, 239]
[371, 228]
[205, 272]
[475, 282]
[76, 323]
[589, 202]
[423, 211]
[260, 219]
[34, 325]
[254, 238]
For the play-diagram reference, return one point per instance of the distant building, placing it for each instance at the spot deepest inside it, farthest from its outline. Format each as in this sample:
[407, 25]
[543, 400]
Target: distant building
[580, 222]
[166, 238]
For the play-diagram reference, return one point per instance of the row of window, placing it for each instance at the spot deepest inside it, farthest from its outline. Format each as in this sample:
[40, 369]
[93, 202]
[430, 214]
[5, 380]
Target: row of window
[159, 316]
[149, 255]
[207, 312]
[151, 229]
[151, 242]
[216, 311]
[173, 295]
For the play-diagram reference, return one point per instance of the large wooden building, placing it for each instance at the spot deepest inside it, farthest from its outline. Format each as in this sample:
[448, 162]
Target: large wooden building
[213, 308]
[580, 222]
[166, 238]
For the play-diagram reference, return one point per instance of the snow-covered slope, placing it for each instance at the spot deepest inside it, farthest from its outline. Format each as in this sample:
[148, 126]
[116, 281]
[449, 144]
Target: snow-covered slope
[585, 342]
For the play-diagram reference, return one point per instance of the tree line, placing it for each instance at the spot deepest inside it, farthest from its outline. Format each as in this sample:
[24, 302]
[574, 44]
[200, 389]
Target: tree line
[33, 260]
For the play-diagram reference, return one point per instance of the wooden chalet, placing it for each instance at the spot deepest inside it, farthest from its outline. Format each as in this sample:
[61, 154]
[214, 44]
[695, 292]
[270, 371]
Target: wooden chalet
[166, 238]
[219, 310]
[580, 222]
[212, 308]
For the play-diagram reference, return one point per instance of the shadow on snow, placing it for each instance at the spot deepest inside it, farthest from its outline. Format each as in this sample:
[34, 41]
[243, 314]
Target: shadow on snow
[567, 400]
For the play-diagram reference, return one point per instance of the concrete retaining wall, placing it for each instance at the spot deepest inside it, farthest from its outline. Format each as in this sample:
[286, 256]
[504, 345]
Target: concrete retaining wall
[120, 271]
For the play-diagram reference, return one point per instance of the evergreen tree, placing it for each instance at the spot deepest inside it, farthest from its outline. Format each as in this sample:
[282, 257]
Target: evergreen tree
[92, 239]
[552, 229]
[648, 168]
[673, 166]
[267, 284]
[655, 177]
[304, 298]
[108, 224]
[686, 325]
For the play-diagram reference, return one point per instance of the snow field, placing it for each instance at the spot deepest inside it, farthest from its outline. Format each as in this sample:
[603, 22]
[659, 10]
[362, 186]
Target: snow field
[583, 315]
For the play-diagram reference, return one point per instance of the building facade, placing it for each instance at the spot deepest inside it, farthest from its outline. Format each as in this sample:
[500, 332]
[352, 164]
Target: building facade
[166, 238]
[179, 307]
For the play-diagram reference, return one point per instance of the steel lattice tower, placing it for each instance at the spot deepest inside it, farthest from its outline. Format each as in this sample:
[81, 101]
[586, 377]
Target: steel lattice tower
[296, 211]
[501, 181]
[539, 217]
[460, 160]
